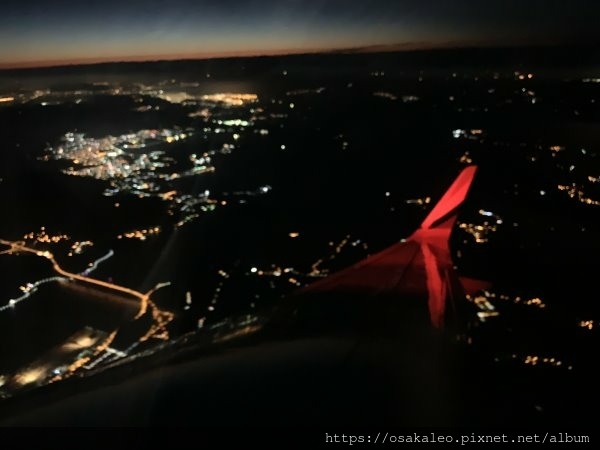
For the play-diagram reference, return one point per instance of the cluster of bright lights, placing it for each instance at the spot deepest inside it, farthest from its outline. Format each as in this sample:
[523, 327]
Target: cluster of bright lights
[478, 231]
[141, 235]
[485, 307]
[418, 201]
[43, 237]
[523, 76]
[128, 170]
[230, 99]
[535, 302]
[576, 192]
[275, 271]
[465, 158]
[473, 134]
[316, 270]
[78, 247]
[534, 360]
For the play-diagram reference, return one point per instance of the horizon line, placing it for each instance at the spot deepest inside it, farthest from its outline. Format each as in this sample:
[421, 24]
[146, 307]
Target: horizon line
[376, 48]
[73, 62]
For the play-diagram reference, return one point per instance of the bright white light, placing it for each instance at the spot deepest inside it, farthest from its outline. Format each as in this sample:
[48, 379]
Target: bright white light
[253, 270]
[282, 147]
[542, 192]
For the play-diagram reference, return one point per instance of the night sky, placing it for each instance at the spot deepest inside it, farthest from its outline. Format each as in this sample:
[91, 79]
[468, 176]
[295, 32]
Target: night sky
[40, 32]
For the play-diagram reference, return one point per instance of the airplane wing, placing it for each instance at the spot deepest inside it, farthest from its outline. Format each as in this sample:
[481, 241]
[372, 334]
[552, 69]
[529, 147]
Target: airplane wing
[419, 265]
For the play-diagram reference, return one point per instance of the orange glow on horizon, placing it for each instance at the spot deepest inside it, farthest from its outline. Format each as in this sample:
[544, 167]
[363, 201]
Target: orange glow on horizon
[150, 58]
[216, 55]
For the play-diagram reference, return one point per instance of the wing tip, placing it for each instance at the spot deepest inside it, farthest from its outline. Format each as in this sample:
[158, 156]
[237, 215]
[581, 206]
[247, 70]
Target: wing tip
[445, 208]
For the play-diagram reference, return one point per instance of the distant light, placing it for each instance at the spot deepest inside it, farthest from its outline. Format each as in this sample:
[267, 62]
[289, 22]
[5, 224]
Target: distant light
[253, 270]
[542, 192]
[284, 72]
[282, 147]
[294, 234]
[387, 194]
[31, 375]
[291, 106]
[236, 136]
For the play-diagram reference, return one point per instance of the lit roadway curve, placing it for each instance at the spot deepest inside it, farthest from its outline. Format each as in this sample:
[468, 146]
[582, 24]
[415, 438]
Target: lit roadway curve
[19, 246]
